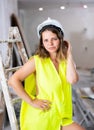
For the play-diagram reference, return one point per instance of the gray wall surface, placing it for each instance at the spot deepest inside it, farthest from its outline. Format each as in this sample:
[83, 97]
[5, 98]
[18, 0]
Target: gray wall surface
[78, 24]
[7, 7]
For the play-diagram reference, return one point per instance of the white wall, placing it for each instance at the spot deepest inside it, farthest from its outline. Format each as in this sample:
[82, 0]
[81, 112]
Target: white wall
[78, 24]
[7, 7]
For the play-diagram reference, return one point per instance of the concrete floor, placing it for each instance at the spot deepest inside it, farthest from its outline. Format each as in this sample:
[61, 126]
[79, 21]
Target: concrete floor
[86, 80]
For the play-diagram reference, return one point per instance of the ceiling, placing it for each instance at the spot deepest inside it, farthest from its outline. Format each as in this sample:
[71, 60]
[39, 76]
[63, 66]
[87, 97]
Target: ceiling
[42, 3]
[35, 1]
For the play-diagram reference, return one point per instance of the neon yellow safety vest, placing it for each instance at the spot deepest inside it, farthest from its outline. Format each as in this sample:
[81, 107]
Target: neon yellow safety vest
[52, 86]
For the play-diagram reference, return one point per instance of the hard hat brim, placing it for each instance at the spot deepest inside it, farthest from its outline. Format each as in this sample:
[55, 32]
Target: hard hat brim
[47, 22]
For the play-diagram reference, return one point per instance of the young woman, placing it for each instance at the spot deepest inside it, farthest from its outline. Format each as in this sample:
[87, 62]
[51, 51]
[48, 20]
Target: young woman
[49, 74]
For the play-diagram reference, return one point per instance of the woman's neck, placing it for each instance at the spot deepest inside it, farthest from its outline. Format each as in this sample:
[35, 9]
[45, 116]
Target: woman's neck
[53, 57]
[55, 61]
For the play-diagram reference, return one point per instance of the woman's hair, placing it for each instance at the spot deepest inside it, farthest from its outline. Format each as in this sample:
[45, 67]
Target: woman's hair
[62, 50]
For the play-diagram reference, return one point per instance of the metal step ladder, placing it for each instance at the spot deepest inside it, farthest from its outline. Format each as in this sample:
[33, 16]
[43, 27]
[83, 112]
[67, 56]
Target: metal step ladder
[14, 44]
[86, 116]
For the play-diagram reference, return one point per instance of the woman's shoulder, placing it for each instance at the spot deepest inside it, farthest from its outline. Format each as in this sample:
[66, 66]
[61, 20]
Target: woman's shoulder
[39, 59]
[33, 57]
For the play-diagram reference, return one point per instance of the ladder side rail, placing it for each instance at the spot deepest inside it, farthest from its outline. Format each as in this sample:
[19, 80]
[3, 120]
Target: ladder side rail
[20, 45]
[8, 62]
[22, 52]
[9, 105]
[17, 55]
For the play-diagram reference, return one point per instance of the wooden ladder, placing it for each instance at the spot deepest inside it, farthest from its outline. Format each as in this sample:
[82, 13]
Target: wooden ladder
[16, 45]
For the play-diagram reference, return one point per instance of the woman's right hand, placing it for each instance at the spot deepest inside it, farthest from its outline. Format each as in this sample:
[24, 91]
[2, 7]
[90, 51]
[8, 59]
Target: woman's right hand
[41, 104]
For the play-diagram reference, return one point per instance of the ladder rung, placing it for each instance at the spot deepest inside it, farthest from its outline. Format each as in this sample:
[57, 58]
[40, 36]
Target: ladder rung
[15, 100]
[13, 69]
[10, 40]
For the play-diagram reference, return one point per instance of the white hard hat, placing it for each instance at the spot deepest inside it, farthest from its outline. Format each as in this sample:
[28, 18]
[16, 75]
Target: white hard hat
[49, 21]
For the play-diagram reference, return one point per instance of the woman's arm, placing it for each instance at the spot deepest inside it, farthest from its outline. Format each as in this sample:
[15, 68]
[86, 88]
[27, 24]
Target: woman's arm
[15, 82]
[72, 75]
[16, 79]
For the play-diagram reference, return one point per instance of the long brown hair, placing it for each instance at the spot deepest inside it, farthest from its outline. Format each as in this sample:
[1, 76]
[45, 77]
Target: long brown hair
[62, 50]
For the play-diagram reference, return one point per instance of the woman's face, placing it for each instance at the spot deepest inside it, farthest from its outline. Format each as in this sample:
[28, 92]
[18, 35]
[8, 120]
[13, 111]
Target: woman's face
[50, 41]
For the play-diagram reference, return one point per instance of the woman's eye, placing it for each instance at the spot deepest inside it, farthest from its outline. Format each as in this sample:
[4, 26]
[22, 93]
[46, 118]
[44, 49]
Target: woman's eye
[55, 38]
[45, 40]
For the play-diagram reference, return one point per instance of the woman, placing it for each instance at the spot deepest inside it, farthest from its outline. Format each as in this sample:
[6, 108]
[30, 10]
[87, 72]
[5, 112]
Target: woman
[47, 98]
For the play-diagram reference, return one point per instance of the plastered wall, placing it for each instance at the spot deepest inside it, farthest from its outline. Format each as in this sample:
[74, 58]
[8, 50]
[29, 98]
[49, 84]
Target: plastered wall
[78, 24]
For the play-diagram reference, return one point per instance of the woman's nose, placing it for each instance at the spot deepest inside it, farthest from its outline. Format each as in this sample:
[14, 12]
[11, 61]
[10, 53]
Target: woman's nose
[50, 42]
